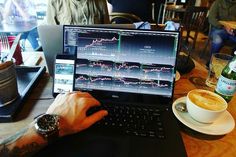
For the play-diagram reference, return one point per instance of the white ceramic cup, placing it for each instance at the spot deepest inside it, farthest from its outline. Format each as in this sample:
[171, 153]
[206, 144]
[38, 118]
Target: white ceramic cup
[205, 106]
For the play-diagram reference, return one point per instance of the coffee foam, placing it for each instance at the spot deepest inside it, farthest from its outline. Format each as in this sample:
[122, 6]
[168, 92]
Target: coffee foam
[207, 100]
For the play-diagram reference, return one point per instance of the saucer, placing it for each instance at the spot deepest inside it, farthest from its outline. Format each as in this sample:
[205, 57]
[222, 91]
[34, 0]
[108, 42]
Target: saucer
[223, 125]
[177, 76]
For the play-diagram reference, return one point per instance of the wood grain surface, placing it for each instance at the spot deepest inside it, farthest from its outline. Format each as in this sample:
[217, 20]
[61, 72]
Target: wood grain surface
[231, 24]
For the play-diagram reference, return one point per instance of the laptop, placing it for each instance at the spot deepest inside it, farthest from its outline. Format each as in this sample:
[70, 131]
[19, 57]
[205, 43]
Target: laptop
[51, 38]
[131, 72]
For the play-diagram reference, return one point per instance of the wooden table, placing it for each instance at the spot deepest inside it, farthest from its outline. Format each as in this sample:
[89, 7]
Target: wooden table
[231, 24]
[197, 144]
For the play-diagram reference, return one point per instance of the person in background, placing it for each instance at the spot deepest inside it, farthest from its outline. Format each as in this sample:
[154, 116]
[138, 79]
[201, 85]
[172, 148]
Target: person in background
[69, 112]
[142, 8]
[224, 10]
[22, 11]
[74, 12]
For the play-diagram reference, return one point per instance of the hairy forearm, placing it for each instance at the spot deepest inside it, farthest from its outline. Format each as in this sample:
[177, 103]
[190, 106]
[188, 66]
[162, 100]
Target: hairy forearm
[22, 144]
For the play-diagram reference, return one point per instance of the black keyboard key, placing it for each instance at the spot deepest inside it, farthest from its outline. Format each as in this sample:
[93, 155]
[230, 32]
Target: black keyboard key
[136, 121]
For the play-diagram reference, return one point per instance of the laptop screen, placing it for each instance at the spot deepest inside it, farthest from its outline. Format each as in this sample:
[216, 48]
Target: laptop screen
[123, 60]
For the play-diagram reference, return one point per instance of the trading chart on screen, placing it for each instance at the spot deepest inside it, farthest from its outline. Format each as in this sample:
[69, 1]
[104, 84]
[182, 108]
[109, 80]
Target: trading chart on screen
[132, 61]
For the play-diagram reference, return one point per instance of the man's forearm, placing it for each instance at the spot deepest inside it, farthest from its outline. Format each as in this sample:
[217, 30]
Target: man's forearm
[22, 144]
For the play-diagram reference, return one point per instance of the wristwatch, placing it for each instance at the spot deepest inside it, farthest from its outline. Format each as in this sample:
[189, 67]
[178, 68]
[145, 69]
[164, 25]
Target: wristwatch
[47, 125]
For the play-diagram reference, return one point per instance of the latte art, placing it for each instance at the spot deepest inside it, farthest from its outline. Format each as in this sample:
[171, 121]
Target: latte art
[207, 100]
[205, 106]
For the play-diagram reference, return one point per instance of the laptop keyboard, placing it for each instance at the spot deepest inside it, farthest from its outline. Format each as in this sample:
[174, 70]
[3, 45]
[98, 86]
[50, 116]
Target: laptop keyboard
[136, 121]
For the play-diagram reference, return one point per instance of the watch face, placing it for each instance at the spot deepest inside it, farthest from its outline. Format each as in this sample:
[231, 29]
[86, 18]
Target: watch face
[47, 123]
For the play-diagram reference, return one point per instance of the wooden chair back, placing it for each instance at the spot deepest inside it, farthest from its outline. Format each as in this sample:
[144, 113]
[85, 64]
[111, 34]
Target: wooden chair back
[118, 17]
[192, 23]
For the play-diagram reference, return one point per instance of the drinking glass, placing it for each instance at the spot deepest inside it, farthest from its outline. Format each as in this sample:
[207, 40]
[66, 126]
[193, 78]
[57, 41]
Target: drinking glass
[217, 63]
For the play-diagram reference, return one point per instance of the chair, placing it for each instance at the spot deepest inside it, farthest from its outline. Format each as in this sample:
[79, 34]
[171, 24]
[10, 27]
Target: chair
[118, 17]
[192, 23]
[163, 13]
[172, 11]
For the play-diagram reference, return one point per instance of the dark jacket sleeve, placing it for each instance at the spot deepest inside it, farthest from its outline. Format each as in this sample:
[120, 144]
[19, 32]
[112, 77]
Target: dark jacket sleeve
[213, 15]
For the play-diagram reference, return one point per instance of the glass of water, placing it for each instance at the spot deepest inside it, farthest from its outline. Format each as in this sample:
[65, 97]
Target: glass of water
[217, 63]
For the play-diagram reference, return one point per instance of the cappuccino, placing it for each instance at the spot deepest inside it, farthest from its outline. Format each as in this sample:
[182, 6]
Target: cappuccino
[207, 100]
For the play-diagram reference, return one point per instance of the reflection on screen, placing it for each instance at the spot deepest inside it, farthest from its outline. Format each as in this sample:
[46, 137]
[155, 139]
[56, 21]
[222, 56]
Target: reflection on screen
[132, 61]
[63, 79]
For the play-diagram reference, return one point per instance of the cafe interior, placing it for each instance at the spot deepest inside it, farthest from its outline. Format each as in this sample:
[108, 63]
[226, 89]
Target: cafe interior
[148, 52]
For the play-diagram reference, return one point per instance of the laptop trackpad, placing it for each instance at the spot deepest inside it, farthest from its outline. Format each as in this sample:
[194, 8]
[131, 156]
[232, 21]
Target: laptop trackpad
[105, 146]
[87, 145]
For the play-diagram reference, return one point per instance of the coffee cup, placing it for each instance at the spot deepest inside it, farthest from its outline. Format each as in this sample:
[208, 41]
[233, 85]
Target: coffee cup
[8, 83]
[205, 106]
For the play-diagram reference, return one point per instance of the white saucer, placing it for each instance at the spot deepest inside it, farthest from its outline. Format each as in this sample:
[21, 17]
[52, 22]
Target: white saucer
[177, 76]
[223, 125]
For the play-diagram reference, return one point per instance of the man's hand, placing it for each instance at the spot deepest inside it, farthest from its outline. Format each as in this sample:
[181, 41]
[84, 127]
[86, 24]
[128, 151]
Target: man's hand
[229, 30]
[72, 108]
